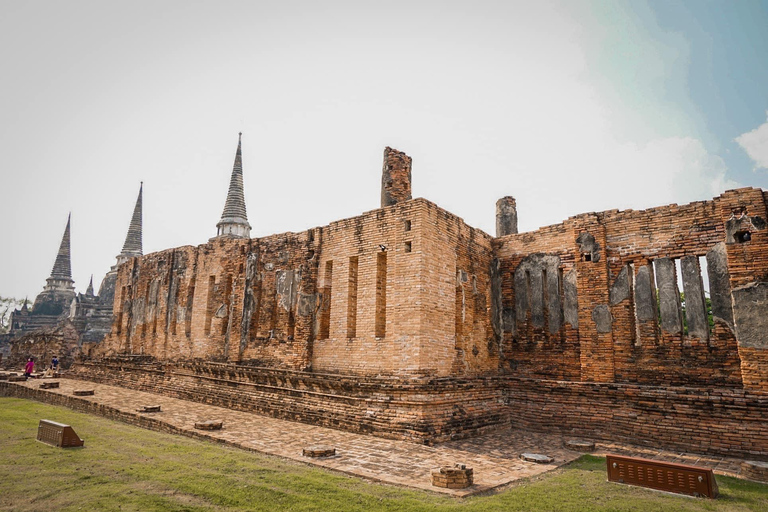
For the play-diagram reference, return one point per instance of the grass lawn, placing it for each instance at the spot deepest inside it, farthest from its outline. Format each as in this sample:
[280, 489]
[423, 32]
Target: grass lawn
[123, 467]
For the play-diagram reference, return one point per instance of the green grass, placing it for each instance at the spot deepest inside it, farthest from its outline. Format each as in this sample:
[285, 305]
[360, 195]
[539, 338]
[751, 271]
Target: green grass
[127, 468]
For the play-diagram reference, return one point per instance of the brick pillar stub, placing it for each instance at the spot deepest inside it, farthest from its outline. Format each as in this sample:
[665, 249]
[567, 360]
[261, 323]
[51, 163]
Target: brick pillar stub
[395, 177]
[506, 216]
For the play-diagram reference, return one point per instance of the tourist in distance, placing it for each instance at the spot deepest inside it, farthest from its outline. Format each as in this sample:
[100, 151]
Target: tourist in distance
[55, 363]
[29, 368]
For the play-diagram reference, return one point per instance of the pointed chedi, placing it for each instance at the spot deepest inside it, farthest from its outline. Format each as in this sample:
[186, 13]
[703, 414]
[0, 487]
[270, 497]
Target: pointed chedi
[61, 274]
[133, 243]
[132, 247]
[234, 219]
[59, 289]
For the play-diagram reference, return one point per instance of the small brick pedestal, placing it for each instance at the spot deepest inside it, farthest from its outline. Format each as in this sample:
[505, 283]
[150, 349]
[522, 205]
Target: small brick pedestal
[148, 408]
[17, 378]
[318, 451]
[49, 385]
[457, 477]
[209, 425]
[83, 392]
[755, 470]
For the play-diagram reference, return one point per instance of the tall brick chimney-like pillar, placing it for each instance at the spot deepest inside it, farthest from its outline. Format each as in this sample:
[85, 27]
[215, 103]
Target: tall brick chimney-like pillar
[395, 177]
[506, 216]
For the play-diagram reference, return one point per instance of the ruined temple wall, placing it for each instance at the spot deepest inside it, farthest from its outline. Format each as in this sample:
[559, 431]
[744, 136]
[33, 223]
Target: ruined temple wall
[188, 303]
[368, 321]
[615, 337]
[280, 302]
[746, 211]
[457, 332]
[658, 346]
[531, 348]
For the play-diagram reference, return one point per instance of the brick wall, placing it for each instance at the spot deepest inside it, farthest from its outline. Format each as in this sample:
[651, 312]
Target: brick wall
[611, 338]
[422, 411]
[703, 420]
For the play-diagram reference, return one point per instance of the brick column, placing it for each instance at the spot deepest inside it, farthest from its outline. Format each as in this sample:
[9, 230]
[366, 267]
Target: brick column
[592, 283]
[745, 214]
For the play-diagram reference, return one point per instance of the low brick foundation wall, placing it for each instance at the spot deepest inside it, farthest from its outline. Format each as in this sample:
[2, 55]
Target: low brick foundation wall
[718, 421]
[422, 411]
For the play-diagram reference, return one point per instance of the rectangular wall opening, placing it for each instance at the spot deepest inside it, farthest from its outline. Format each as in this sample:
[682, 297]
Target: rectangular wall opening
[707, 296]
[352, 298]
[679, 274]
[173, 305]
[188, 313]
[324, 330]
[146, 313]
[381, 295]
[209, 305]
[120, 314]
[155, 315]
[459, 304]
[256, 315]
[227, 295]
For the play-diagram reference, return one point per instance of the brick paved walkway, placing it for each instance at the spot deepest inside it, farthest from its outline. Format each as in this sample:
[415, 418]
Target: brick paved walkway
[494, 458]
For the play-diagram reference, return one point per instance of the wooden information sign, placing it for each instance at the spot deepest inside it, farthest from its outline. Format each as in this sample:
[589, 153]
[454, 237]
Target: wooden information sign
[663, 476]
[57, 434]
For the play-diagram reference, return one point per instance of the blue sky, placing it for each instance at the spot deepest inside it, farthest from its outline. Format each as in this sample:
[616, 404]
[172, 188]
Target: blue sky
[570, 106]
[720, 85]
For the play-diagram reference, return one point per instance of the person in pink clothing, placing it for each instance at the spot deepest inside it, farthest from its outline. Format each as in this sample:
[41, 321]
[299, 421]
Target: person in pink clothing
[29, 368]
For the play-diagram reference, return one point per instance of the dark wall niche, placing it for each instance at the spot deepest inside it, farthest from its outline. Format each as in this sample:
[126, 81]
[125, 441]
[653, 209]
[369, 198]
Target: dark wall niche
[588, 247]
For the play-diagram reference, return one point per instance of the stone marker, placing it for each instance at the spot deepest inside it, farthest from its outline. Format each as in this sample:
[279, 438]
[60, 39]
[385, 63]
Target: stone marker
[457, 477]
[580, 445]
[318, 451]
[755, 470]
[49, 385]
[83, 392]
[149, 408]
[209, 425]
[17, 378]
[537, 458]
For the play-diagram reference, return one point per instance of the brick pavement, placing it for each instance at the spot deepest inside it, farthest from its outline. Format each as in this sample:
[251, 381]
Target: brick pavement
[494, 457]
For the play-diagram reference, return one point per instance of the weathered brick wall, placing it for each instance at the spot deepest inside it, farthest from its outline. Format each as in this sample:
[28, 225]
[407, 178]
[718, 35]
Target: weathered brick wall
[418, 410]
[455, 284]
[381, 293]
[188, 303]
[370, 317]
[709, 420]
[530, 349]
[717, 421]
[613, 259]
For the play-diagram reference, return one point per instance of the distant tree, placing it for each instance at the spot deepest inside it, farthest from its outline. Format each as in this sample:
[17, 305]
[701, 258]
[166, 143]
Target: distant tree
[7, 305]
[707, 302]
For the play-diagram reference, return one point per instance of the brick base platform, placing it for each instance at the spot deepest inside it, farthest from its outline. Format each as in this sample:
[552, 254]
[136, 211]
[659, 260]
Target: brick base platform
[718, 421]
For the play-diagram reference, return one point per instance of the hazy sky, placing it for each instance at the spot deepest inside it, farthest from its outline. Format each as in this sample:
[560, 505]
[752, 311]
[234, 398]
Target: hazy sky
[569, 106]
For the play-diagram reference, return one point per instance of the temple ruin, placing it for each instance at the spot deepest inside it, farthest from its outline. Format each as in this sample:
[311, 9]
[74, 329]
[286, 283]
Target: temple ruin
[406, 322]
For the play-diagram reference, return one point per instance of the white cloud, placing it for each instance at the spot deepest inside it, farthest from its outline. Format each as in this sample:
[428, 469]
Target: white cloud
[755, 143]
